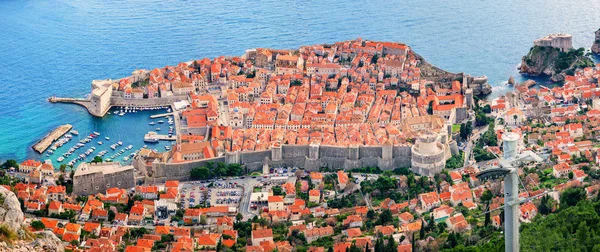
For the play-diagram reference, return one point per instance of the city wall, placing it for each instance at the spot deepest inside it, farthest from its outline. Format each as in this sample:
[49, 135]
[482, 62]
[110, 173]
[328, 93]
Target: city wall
[308, 157]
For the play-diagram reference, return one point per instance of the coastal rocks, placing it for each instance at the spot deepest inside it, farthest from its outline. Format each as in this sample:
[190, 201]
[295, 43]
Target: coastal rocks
[528, 83]
[596, 44]
[10, 210]
[540, 60]
[511, 80]
[549, 61]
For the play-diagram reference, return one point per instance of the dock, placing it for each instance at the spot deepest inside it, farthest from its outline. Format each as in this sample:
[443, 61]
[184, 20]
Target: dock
[57, 133]
[154, 135]
[166, 137]
[161, 115]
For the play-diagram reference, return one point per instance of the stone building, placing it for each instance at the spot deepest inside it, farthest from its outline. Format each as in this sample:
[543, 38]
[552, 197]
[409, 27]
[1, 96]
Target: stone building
[93, 178]
[428, 155]
[564, 42]
[100, 98]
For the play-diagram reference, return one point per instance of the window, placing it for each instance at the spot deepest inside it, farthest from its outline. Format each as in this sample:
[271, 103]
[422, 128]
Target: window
[119, 183]
[97, 187]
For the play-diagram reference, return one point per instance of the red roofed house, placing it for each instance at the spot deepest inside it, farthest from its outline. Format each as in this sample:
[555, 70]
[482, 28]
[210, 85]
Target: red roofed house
[55, 207]
[528, 211]
[261, 235]
[276, 203]
[458, 223]
[342, 179]
[29, 165]
[560, 170]
[353, 221]
[314, 196]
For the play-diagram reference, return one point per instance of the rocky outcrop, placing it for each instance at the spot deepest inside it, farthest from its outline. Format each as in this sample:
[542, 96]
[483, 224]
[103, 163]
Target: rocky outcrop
[527, 83]
[548, 61]
[46, 241]
[10, 210]
[596, 44]
[12, 217]
[539, 61]
[511, 80]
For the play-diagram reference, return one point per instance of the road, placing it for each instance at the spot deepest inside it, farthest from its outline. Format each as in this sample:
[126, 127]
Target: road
[472, 139]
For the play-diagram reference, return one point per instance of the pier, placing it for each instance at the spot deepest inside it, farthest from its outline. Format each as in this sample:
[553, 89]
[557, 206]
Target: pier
[161, 115]
[86, 103]
[43, 144]
[154, 135]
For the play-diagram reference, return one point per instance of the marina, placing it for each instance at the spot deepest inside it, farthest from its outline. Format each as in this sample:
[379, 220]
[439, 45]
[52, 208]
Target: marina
[43, 144]
[82, 144]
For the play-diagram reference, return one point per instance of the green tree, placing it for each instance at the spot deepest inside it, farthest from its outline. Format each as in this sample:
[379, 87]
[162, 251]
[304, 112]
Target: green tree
[571, 197]
[38, 225]
[63, 168]
[10, 163]
[111, 215]
[200, 173]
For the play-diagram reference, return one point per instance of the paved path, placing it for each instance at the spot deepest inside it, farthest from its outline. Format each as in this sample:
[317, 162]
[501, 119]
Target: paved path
[470, 142]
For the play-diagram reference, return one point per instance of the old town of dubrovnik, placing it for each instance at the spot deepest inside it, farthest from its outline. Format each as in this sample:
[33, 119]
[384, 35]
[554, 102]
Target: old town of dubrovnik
[356, 145]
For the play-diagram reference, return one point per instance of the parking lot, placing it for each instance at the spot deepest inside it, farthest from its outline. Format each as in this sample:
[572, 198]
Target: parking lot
[193, 195]
[225, 194]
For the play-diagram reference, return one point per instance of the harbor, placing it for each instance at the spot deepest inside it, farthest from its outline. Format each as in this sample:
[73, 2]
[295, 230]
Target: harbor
[118, 136]
[43, 144]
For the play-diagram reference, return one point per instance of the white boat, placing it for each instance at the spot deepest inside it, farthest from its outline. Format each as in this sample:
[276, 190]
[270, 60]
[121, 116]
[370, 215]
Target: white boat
[151, 123]
[161, 121]
[107, 138]
[100, 143]
[96, 133]
[167, 147]
[60, 159]
[120, 143]
[121, 114]
[75, 132]
[157, 129]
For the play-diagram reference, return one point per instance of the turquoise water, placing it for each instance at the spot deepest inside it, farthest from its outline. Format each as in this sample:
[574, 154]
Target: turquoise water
[57, 47]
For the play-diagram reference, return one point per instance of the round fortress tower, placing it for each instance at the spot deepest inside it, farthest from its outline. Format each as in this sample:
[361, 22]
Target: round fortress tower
[428, 155]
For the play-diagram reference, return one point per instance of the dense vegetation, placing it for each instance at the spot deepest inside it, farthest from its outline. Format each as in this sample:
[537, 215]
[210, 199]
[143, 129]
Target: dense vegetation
[572, 228]
[210, 170]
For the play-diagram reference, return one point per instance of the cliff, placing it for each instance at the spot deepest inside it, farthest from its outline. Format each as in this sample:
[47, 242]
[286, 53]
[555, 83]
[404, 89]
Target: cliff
[596, 44]
[548, 61]
[14, 235]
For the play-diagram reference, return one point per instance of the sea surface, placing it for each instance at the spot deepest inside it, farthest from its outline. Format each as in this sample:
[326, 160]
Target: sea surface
[58, 47]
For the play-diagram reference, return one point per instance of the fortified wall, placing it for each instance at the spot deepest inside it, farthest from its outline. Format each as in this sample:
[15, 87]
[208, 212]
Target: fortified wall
[309, 157]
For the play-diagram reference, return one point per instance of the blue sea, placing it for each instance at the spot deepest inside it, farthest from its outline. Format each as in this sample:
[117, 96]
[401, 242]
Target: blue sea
[58, 47]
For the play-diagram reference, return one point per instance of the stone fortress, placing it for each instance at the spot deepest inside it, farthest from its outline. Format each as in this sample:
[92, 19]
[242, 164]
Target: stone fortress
[93, 178]
[428, 155]
[564, 42]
